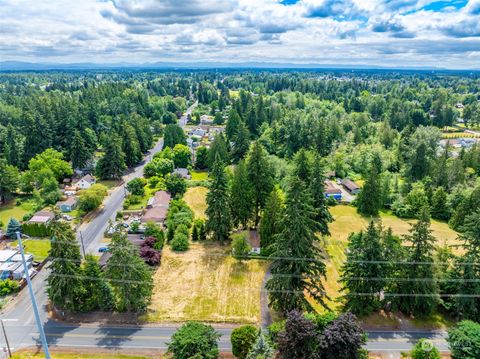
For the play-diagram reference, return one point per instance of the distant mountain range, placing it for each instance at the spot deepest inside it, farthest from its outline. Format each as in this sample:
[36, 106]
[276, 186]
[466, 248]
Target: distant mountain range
[30, 66]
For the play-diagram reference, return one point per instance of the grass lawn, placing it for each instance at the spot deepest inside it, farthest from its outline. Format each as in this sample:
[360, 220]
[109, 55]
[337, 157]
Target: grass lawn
[12, 209]
[110, 183]
[196, 199]
[214, 286]
[199, 175]
[149, 192]
[38, 247]
[346, 221]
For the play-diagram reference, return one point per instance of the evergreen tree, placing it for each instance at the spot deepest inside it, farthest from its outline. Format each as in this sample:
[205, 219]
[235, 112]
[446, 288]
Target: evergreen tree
[271, 223]
[362, 270]
[9, 180]
[129, 276]
[130, 146]
[241, 143]
[317, 189]
[218, 148]
[260, 176]
[439, 207]
[174, 135]
[241, 196]
[233, 123]
[370, 198]
[302, 168]
[201, 158]
[98, 293]
[219, 218]
[65, 282]
[298, 265]
[261, 349]
[112, 164]
[13, 227]
[79, 155]
[467, 304]
[418, 287]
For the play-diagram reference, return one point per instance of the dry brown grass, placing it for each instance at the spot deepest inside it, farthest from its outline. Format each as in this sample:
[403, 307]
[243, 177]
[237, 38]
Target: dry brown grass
[206, 283]
[196, 199]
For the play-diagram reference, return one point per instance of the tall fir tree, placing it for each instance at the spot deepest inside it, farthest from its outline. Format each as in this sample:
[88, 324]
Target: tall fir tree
[241, 143]
[272, 218]
[260, 177]
[467, 304]
[363, 269]
[317, 190]
[302, 166]
[297, 266]
[112, 164]
[79, 155]
[129, 276]
[369, 200]
[219, 217]
[65, 282]
[98, 293]
[241, 196]
[219, 149]
[418, 288]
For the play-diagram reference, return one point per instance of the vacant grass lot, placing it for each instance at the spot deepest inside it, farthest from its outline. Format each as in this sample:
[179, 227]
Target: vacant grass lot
[38, 247]
[346, 221]
[196, 199]
[206, 283]
[199, 175]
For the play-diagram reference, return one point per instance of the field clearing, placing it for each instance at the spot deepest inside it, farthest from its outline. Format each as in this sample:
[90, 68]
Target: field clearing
[214, 286]
[196, 199]
[452, 135]
[110, 183]
[346, 221]
[38, 247]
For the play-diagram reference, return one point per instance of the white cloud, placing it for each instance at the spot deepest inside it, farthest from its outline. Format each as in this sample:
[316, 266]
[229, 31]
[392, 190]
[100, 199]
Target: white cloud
[377, 32]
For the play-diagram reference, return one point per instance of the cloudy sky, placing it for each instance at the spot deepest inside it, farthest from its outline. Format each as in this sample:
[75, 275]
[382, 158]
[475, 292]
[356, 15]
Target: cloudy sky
[358, 32]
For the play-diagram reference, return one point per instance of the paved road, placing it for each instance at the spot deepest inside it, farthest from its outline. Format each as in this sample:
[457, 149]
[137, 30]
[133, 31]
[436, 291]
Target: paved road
[22, 331]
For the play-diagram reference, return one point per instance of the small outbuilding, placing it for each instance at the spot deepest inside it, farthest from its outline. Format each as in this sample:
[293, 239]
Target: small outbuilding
[351, 186]
[42, 217]
[68, 205]
[332, 192]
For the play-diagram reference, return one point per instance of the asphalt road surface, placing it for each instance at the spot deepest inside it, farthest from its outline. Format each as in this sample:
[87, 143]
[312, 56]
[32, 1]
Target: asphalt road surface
[22, 331]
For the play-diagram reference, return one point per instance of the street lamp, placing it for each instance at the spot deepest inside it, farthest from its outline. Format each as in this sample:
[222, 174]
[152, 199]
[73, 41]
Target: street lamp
[32, 297]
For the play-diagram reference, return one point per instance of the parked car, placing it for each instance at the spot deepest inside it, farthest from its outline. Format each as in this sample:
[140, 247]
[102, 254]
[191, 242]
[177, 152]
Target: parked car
[103, 249]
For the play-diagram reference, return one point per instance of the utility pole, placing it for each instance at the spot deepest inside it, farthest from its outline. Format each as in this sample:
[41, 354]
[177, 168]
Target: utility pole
[32, 298]
[83, 245]
[6, 339]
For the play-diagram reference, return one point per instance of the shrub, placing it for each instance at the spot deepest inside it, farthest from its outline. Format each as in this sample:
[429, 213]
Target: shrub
[150, 255]
[194, 340]
[464, 340]
[180, 242]
[240, 245]
[137, 186]
[182, 228]
[424, 350]
[8, 286]
[134, 226]
[134, 199]
[275, 329]
[242, 339]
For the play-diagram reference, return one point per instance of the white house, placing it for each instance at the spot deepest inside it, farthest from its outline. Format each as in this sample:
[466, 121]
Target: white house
[85, 182]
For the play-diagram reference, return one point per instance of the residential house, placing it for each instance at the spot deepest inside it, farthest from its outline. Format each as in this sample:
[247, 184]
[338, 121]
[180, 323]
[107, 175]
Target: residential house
[351, 186]
[157, 208]
[70, 190]
[183, 172]
[86, 182]
[332, 192]
[42, 217]
[68, 205]
[200, 132]
[11, 265]
[206, 120]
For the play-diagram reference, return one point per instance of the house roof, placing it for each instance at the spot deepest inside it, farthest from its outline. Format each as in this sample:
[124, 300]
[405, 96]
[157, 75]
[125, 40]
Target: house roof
[350, 184]
[7, 254]
[42, 217]
[88, 178]
[331, 189]
[161, 198]
[155, 214]
[70, 201]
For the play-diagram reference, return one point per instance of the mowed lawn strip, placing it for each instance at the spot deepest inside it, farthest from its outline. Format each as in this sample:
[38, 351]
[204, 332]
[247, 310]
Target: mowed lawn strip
[38, 247]
[196, 199]
[206, 283]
